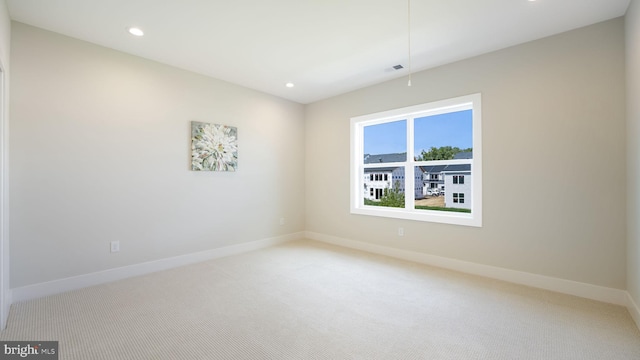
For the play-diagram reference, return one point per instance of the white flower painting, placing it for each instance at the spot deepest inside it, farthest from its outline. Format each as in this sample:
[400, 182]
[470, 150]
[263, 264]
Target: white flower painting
[213, 147]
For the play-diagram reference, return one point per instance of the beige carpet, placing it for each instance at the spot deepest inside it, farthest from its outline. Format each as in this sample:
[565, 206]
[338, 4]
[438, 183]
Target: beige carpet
[307, 300]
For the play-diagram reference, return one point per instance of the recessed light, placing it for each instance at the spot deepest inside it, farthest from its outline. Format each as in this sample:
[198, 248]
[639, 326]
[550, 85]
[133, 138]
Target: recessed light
[289, 85]
[135, 31]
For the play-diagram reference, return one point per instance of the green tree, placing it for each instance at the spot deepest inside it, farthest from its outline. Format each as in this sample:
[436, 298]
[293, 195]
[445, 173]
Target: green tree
[393, 197]
[441, 153]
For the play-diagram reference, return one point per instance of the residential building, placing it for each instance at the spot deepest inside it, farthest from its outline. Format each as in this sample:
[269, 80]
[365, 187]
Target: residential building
[457, 182]
[378, 180]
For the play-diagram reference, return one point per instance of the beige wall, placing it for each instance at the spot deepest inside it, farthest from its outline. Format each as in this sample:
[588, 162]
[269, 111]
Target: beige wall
[5, 40]
[554, 158]
[632, 22]
[100, 151]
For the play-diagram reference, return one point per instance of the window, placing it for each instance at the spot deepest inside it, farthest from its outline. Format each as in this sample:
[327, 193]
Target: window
[378, 193]
[422, 147]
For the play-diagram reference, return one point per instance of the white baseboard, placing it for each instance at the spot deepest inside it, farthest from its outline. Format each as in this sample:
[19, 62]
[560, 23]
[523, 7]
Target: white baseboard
[6, 307]
[589, 291]
[634, 310]
[584, 290]
[77, 282]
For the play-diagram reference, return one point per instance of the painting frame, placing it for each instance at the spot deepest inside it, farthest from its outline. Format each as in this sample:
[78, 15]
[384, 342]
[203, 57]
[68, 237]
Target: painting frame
[214, 147]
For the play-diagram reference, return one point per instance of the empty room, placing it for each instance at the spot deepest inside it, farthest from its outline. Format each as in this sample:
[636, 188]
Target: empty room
[286, 179]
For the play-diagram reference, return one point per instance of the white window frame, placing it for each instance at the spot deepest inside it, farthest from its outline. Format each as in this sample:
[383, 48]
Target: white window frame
[468, 102]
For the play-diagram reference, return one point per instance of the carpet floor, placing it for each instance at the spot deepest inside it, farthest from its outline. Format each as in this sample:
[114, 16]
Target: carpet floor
[308, 300]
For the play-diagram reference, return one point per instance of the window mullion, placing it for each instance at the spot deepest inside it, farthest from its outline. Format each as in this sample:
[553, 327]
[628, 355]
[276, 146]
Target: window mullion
[409, 176]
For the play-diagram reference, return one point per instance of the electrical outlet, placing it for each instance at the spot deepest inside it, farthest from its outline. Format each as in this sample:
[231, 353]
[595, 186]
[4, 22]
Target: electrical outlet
[400, 231]
[115, 246]
[281, 221]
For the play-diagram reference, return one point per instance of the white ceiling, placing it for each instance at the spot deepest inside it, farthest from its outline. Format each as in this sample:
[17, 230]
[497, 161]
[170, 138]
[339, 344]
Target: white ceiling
[325, 47]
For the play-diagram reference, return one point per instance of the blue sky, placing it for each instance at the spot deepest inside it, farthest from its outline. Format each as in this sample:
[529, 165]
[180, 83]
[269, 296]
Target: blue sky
[451, 129]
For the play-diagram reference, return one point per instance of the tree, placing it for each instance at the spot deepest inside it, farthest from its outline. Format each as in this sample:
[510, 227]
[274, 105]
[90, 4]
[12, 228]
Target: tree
[441, 153]
[393, 197]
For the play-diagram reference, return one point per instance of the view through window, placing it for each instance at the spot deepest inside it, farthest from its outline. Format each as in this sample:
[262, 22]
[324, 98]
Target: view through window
[420, 163]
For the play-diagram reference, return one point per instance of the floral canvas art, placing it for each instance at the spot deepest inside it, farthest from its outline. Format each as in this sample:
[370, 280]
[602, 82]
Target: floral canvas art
[213, 147]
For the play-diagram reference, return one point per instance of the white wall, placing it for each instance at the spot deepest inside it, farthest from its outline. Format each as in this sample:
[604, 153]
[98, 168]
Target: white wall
[554, 159]
[5, 40]
[100, 151]
[632, 22]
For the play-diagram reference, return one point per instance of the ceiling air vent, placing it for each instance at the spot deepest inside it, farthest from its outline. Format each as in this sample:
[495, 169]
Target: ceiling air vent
[398, 67]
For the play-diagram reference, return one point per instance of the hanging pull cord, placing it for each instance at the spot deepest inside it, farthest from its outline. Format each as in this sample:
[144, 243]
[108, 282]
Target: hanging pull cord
[409, 37]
